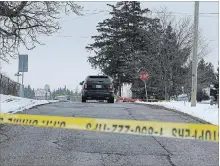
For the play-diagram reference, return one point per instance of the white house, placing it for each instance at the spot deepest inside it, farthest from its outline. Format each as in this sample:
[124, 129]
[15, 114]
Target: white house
[126, 91]
[182, 97]
[42, 94]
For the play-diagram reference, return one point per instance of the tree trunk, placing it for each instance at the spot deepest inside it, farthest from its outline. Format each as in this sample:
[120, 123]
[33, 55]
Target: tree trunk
[119, 90]
[119, 86]
[165, 85]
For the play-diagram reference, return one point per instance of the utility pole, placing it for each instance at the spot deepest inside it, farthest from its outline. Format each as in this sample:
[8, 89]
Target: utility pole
[218, 87]
[194, 58]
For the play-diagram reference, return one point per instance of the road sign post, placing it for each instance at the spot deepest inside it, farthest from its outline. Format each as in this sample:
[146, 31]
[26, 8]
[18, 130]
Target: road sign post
[18, 75]
[144, 77]
[22, 67]
[145, 90]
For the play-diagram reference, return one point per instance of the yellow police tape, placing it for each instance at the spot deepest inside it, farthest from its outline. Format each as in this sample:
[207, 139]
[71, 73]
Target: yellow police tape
[203, 132]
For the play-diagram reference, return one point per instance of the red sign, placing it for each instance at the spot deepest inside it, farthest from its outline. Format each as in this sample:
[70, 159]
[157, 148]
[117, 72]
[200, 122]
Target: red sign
[144, 76]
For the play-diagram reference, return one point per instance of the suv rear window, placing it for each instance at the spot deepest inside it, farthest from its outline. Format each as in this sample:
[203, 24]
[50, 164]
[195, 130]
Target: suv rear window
[93, 79]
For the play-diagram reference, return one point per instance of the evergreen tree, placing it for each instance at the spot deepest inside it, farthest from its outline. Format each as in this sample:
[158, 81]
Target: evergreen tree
[119, 42]
[61, 91]
[205, 74]
[29, 92]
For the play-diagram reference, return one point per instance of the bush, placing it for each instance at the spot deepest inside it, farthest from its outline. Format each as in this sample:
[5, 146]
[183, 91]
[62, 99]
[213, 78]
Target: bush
[8, 87]
[201, 95]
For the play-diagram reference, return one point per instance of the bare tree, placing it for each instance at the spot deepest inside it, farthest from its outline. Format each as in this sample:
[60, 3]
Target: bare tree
[22, 23]
[184, 30]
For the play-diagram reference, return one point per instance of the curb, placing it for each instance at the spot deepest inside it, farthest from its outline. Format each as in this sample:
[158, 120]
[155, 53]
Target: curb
[25, 110]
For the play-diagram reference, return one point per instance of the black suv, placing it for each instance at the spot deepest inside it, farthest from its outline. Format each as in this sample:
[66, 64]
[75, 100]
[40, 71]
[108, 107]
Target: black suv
[98, 88]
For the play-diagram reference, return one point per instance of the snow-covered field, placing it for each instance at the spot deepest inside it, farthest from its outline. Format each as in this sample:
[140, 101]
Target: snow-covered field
[13, 104]
[203, 111]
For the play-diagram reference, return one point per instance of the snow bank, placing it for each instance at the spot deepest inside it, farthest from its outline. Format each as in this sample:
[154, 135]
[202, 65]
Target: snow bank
[13, 104]
[206, 112]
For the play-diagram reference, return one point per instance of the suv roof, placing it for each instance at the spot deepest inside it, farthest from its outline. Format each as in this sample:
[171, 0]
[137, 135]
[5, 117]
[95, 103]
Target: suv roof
[98, 76]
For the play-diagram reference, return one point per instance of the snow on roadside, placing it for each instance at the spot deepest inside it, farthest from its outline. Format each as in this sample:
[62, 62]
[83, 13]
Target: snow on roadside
[12, 104]
[206, 112]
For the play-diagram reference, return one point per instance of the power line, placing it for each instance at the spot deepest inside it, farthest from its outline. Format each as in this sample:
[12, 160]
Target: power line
[150, 11]
[189, 13]
[209, 13]
[84, 37]
[172, 13]
[89, 37]
[96, 11]
[88, 14]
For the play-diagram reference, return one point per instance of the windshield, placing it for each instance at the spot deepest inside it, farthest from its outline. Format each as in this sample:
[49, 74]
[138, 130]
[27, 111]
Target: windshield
[118, 83]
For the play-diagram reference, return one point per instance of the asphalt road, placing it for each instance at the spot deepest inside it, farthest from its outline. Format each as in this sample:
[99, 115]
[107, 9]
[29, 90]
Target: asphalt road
[29, 146]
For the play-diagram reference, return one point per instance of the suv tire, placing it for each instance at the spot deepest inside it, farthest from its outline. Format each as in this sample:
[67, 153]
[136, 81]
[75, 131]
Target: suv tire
[83, 100]
[111, 100]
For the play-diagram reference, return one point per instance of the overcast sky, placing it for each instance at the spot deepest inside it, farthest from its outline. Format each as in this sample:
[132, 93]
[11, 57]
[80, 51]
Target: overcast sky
[63, 59]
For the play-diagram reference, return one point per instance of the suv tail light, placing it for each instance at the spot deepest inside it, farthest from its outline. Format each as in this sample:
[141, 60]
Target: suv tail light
[85, 85]
[110, 86]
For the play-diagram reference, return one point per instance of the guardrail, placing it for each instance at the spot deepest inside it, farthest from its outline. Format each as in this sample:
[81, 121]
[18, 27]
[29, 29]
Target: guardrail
[8, 86]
